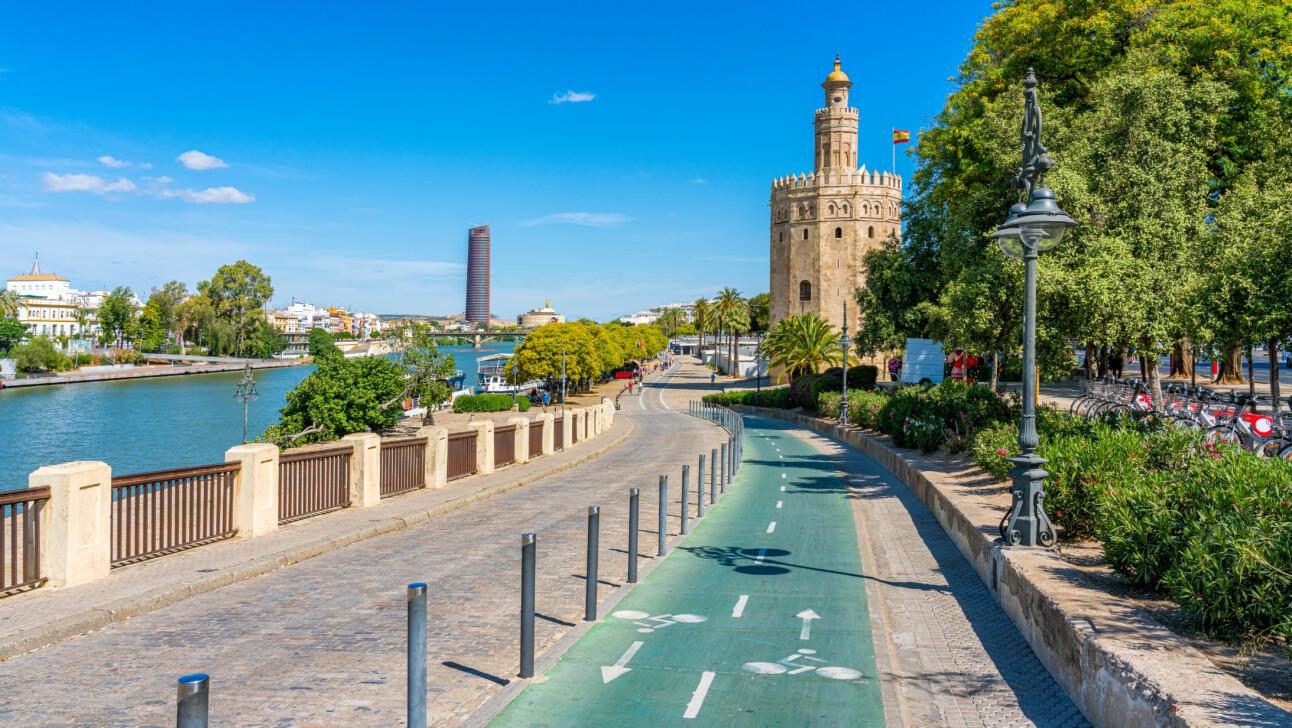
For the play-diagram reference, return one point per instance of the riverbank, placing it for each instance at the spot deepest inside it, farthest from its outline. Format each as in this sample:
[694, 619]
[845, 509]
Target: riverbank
[145, 372]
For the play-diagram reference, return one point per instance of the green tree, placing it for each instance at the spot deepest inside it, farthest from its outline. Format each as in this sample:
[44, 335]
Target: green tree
[539, 356]
[9, 302]
[341, 396]
[321, 344]
[760, 313]
[732, 317]
[11, 332]
[703, 318]
[268, 341]
[37, 354]
[238, 292]
[117, 316]
[898, 279]
[801, 345]
[429, 369]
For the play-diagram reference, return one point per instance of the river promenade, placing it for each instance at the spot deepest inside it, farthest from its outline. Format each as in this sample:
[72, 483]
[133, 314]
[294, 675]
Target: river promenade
[145, 372]
[320, 641]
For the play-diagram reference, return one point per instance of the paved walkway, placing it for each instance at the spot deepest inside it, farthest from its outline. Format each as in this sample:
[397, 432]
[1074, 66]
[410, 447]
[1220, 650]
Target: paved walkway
[770, 614]
[321, 643]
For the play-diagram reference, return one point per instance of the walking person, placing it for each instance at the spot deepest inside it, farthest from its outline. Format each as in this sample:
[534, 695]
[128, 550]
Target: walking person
[545, 399]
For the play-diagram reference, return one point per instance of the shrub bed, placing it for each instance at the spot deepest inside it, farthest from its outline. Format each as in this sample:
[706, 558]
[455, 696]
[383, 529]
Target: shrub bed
[485, 403]
[777, 397]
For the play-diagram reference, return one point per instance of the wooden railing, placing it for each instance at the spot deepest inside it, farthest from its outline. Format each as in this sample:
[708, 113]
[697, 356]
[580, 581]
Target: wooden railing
[313, 482]
[20, 515]
[535, 439]
[403, 465]
[504, 446]
[166, 510]
[462, 454]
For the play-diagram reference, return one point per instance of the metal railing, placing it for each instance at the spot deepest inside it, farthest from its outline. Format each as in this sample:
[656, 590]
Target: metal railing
[575, 424]
[535, 439]
[20, 514]
[313, 482]
[403, 465]
[558, 434]
[462, 454]
[166, 510]
[504, 446]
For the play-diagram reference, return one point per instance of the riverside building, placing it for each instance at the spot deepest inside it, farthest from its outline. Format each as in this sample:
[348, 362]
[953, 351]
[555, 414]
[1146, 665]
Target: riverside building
[50, 306]
[822, 223]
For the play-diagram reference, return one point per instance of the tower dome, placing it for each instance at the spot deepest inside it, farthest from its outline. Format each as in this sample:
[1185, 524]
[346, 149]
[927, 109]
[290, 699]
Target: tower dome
[836, 74]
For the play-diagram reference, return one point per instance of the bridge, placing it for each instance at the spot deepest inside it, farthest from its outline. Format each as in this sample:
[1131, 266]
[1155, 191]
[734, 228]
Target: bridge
[479, 337]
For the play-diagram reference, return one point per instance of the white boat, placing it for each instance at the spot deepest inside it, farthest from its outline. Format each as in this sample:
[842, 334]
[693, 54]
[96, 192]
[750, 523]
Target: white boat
[491, 376]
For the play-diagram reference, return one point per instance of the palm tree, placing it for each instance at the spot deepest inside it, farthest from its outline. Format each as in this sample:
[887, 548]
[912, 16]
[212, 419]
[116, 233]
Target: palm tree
[728, 307]
[801, 344]
[9, 301]
[701, 306]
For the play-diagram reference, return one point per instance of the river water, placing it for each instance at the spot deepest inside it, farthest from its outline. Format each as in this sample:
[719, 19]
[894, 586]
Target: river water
[149, 424]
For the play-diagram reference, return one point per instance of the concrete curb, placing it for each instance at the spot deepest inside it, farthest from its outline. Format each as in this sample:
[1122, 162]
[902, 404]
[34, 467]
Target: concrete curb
[1117, 664]
[163, 596]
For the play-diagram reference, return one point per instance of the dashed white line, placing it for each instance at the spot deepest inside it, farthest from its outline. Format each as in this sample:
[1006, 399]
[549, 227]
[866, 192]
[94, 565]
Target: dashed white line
[782, 489]
[771, 526]
[740, 606]
[778, 503]
[782, 475]
[697, 698]
[761, 554]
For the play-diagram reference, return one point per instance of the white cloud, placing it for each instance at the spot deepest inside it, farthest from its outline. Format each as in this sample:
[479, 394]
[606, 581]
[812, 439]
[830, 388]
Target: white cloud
[590, 219]
[699, 181]
[85, 183]
[197, 160]
[107, 161]
[573, 97]
[211, 196]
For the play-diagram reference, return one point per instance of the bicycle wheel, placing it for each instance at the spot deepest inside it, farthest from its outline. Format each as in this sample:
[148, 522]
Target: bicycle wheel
[1222, 433]
[1273, 447]
[1286, 453]
[1185, 423]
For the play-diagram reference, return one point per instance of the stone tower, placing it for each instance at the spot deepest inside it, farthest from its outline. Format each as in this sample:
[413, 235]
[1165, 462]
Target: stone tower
[823, 222]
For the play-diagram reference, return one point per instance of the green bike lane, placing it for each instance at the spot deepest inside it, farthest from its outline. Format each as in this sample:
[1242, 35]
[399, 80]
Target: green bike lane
[759, 618]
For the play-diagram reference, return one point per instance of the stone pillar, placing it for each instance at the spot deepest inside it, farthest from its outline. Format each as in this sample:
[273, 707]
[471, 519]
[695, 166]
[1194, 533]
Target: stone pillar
[484, 446]
[437, 455]
[522, 437]
[549, 433]
[564, 423]
[365, 469]
[255, 503]
[594, 413]
[610, 411]
[76, 522]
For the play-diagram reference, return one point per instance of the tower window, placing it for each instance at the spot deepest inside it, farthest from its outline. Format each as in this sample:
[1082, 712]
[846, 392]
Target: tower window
[782, 236]
[805, 234]
[838, 232]
[805, 291]
[871, 231]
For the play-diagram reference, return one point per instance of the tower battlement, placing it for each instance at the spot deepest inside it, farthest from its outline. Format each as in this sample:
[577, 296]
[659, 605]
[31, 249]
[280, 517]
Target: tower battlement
[832, 178]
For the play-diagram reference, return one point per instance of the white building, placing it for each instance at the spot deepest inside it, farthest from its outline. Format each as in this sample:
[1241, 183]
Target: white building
[639, 318]
[50, 306]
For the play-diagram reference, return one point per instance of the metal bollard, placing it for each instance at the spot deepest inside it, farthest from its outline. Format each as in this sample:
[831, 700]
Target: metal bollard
[527, 559]
[699, 489]
[663, 513]
[713, 476]
[590, 591]
[634, 497]
[192, 696]
[416, 655]
[686, 496]
[722, 470]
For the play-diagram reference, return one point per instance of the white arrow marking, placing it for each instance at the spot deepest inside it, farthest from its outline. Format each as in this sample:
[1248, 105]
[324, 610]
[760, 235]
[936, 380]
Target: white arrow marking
[697, 698]
[778, 503]
[740, 606]
[614, 671]
[807, 616]
[771, 526]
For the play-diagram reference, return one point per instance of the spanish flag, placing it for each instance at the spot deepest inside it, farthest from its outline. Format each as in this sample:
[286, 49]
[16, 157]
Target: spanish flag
[901, 137]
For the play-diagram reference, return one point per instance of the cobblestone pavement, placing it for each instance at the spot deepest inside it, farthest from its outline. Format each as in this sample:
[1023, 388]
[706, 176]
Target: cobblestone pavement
[321, 643]
[947, 654]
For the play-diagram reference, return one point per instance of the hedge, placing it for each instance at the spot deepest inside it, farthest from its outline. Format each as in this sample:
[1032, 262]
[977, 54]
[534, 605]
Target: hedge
[487, 403]
[778, 397]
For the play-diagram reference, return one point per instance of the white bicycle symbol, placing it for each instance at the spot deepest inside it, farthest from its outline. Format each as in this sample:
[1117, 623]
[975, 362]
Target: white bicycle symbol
[653, 623]
[792, 666]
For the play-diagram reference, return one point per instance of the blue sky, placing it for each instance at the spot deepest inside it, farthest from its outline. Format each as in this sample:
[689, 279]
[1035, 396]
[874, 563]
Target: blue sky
[346, 147]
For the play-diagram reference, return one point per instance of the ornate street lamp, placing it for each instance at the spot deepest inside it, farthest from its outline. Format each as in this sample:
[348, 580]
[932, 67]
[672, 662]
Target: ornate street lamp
[844, 343]
[1030, 230]
[246, 393]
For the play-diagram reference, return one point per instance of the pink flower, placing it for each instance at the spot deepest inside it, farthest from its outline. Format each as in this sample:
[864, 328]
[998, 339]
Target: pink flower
[1002, 453]
[1215, 455]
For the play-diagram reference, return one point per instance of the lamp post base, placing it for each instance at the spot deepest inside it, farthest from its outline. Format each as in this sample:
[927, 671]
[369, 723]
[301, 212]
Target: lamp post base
[1026, 523]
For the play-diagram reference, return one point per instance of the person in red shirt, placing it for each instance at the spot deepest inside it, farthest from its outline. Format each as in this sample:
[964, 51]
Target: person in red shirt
[957, 362]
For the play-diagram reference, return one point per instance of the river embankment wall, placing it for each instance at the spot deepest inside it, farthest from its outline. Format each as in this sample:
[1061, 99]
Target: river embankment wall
[145, 372]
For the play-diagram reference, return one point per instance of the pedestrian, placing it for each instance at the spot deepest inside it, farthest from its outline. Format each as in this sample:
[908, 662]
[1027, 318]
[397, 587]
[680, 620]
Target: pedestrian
[545, 397]
[713, 378]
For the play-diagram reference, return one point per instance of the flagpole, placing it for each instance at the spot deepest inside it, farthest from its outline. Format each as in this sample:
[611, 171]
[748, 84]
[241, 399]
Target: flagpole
[894, 151]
